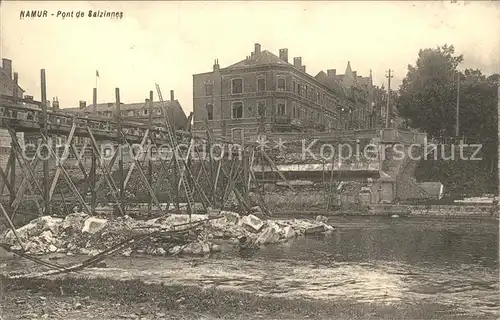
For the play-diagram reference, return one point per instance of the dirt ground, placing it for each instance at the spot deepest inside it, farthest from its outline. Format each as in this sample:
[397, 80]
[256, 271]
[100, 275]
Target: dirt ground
[79, 298]
[23, 304]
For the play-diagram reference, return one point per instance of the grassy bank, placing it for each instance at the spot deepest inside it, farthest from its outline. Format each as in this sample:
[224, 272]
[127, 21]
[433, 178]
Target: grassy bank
[195, 301]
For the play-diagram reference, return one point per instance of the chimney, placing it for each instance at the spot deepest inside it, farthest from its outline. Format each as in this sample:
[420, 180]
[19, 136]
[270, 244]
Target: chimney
[284, 54]
[297, 62]
[7, 67]
[55, 103]
[331, 73]
[355, 73]
[303, 68]
[216, 64]
[15, 88]
[83, 104]
[257, 48]
[172, 95]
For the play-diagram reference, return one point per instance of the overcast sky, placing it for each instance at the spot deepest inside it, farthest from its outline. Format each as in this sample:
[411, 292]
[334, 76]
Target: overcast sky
[168, 42]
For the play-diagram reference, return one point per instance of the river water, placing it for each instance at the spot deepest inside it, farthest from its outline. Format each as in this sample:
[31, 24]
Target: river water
[366, 260]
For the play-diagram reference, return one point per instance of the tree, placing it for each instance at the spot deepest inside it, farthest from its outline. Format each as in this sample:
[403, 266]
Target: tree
[426, 95]
[427, 101]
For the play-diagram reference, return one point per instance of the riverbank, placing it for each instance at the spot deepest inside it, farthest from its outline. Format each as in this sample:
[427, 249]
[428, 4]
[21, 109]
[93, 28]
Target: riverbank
[80, 298]
[458, 211]
[368, 268]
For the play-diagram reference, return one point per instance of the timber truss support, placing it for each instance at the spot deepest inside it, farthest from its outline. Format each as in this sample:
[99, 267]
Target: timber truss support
[193, 175]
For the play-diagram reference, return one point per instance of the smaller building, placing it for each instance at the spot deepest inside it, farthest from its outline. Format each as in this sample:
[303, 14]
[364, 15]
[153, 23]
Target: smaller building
[8, 90]
[137, 112]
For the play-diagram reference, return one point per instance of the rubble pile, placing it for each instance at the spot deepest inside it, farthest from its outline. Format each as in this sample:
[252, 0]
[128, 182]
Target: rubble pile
[79, 233]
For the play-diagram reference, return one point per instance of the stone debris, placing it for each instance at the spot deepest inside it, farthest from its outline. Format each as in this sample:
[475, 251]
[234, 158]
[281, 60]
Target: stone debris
[93, 225]
[252, 222]
[79, 233]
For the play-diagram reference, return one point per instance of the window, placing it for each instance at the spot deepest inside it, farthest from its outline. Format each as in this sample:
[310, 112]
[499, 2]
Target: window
[299, 89]
[237, 110]
[237, 86]
[261, 108]
[294, 109]
[299, 112]
[281, 84]
[306, 91]
[281, 108]
[294, 87]
[209, 89]
[210, 112]
[145, 112]
[261, 84]
[237, 134]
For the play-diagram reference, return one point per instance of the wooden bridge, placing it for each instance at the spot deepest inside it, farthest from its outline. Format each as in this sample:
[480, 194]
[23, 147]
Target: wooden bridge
[222, 177]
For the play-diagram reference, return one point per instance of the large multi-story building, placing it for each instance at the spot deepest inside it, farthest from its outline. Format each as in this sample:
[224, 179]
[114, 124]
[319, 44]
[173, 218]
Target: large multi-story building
[266, 93]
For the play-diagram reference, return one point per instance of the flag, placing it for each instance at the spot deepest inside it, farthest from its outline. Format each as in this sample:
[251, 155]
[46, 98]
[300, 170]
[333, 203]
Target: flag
[97, 73]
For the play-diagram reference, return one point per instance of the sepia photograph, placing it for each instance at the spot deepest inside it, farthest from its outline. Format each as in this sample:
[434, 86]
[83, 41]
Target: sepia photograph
[248, 160]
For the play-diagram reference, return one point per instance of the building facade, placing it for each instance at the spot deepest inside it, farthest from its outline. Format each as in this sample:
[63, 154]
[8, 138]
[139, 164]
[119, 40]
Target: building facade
[265, 93]
[8, 89]
[135, 112]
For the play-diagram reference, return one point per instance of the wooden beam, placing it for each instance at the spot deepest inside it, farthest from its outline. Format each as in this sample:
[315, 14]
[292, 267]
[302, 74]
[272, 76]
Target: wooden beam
[107, 175]
[64, 156]
[93, 165]
[109, 167]
[6, 182]
[119, 132]
[8, 171]
[143, 177]
[24, 182]
[44, 127]
[67, 177]
[132, 166]
[11, 225]
[24, 166]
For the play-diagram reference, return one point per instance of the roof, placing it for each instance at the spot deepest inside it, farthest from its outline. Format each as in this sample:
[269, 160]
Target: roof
[332, 83]
[264, 57]
[338, 84]
[4, 76]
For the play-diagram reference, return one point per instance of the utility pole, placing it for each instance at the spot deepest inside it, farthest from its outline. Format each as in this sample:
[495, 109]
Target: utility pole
[457, 117]
[389, 75]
